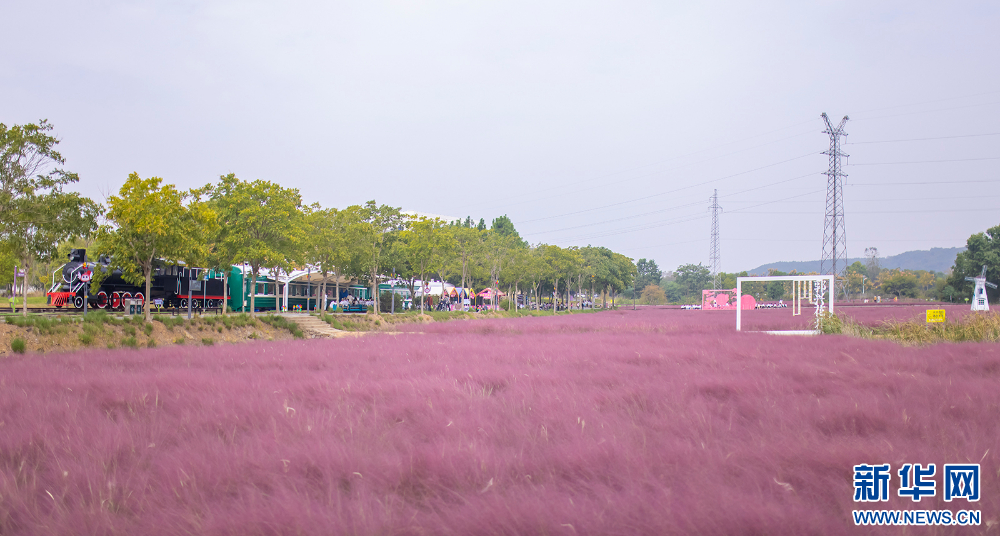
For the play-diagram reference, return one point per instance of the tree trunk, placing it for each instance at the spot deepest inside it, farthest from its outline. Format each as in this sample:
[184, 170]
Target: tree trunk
[24, 288]
[149, 276]
[323, 290]
[375, 290]
[579, 289]
[336, 282]
[555, 296]
[253, 291]
[225, 294]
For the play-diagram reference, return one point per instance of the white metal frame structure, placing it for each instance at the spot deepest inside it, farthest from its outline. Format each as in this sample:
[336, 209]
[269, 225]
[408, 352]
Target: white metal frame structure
[818, 299]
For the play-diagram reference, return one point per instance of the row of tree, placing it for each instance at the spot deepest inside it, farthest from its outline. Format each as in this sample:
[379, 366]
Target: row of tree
[262, 225]
[685, 284]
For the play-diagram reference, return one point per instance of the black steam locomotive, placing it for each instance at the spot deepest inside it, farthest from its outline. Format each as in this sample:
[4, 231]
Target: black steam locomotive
[174, 285]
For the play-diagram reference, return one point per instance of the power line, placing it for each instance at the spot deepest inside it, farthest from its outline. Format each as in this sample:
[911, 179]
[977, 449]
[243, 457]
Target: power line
[688, 218]
[928, 161]
[929, 102]
[643, 198]
[928, 111]
[606, 175]
[895, 199]
[922, 211]
[667, 209]
[922, 182]
[925, 139]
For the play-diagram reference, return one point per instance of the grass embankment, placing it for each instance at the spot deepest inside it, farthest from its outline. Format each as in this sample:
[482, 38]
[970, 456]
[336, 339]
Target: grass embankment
[387, 322]
[99, 329]
[981, 327]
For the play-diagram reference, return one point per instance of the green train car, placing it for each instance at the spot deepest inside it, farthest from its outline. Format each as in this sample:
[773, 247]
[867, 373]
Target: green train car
[270, 294]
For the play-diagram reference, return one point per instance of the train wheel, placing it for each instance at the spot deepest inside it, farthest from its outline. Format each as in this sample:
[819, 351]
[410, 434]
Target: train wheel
[210, 304]
[78, 302]
[184, 303]
[116, 300]
[102, 300]
[125, 296]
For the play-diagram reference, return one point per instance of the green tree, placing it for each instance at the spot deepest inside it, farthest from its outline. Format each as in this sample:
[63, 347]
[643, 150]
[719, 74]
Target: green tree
[649, 273]
[467, 242]
[775, 289]
[623, 273]
[516, 269]
[604, 271]
[261, 224]
[36, 214]
[321, 238]
[423, 243]
[981, 249]
[673, 291]
[693, 278]
[856, 276]
[346, 247]
[380, 227]
[27, 156]
[497, 248]
[503, 226]
[902, 285]
[559, 262]
[149, 221]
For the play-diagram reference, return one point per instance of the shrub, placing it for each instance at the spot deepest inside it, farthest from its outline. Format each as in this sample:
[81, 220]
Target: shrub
[131, 342]
[283, 323]
[129, 330]
[147, 328]
[208, 341]
[18, 345]
[151, 343]
[111, 346]
[86, 338]
[179, 340]
[830, 324]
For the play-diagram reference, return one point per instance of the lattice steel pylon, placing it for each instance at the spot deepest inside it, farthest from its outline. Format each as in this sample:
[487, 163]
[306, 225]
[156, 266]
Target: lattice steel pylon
[715, 254]
[834, 258]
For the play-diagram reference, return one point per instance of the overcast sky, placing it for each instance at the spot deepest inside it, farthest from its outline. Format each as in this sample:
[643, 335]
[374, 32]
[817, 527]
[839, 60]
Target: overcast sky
[604, 123]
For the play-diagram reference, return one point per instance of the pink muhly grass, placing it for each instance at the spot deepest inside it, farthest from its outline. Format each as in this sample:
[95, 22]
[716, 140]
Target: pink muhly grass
[648, 422]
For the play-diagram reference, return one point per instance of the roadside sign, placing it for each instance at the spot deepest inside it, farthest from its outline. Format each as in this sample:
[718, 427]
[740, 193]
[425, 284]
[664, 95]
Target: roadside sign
[20, 273]
[935, 315]
[85, 276]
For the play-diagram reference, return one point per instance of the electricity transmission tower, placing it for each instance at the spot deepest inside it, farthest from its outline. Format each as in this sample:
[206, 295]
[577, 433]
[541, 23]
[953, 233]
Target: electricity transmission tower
[715, 255]
[834, 232]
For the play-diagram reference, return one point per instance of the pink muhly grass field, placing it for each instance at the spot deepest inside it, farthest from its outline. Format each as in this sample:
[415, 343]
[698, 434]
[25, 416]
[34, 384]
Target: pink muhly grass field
[647, 422]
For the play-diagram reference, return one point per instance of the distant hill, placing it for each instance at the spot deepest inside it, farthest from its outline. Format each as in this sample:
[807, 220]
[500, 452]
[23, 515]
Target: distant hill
[935, 260]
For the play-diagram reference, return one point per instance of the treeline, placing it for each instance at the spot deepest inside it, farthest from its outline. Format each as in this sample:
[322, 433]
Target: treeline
[861, 281]
[264, 226]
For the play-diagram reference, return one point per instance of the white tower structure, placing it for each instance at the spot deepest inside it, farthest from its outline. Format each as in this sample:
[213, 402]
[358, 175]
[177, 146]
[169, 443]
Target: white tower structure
[980, 302]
